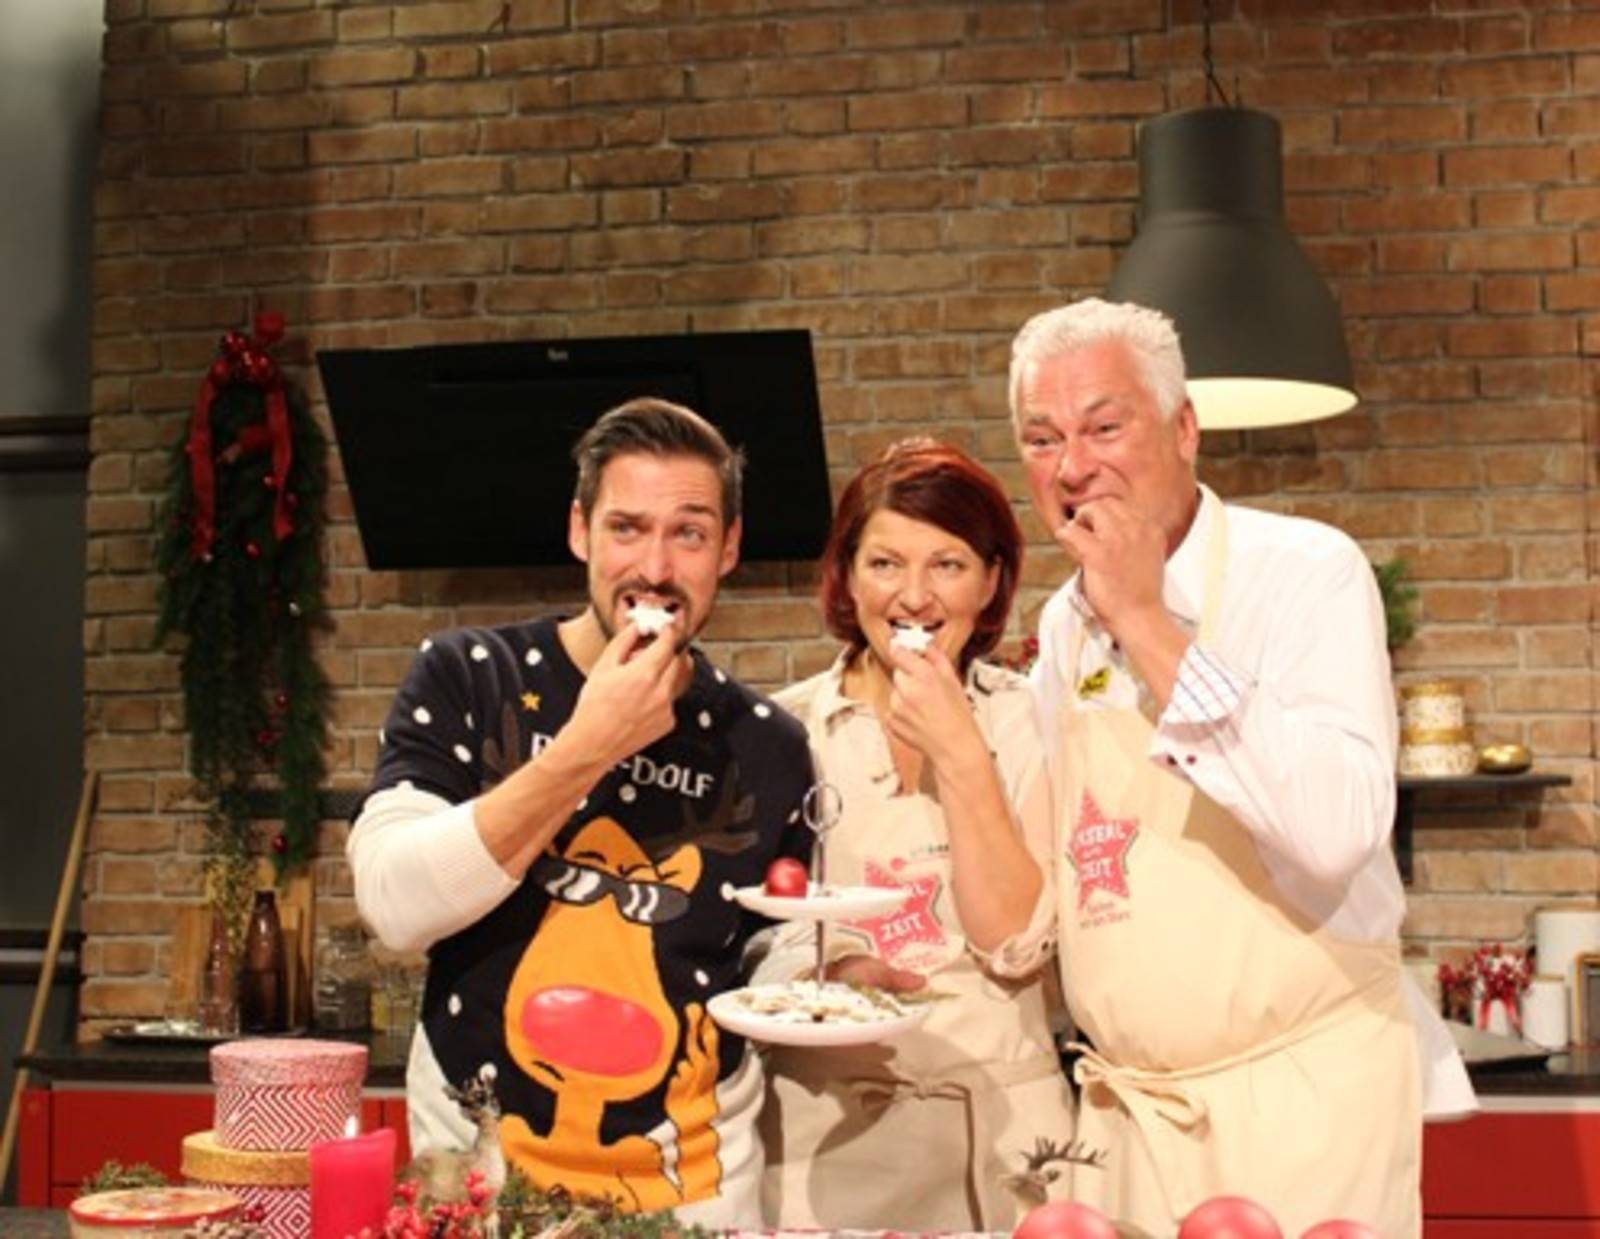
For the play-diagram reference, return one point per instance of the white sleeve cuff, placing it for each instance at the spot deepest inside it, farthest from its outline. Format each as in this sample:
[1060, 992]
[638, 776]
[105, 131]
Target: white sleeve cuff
[420, 868]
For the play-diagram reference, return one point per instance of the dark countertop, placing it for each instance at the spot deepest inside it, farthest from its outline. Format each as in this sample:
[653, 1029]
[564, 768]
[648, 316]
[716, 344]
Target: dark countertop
[105, 1062]
[34, 1223]
[1576, 1073]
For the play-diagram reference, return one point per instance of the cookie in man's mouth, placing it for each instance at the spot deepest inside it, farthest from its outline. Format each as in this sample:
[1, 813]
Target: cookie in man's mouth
[651, 619]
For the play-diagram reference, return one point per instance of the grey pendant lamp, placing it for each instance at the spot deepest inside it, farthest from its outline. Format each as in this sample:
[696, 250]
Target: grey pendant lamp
[1261, 332]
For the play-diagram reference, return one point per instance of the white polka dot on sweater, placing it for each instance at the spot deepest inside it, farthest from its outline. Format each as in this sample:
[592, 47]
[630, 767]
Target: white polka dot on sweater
[422, 715]
[427, 644]
[463, 752]
[479, 653]
[455, 1004]
[533, 658]
[762, 710]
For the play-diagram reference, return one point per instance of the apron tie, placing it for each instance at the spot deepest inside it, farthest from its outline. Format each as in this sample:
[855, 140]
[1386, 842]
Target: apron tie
[875, 1096]
[964, 1084]
[1144, 1094]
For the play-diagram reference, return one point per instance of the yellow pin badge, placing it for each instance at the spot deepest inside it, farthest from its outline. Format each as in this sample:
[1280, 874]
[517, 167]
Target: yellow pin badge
[1095, 683]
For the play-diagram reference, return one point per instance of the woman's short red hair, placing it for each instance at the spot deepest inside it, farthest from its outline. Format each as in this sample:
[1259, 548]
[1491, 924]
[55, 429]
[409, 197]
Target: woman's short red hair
[941, 485]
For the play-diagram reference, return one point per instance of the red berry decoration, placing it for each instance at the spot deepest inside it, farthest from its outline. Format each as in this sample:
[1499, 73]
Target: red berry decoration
[1340, 1228]
[1065, 1219]
[253, 549]
[266, 738]
[787, 878]
[1229, 1217]
[280, 843]
[281, 700]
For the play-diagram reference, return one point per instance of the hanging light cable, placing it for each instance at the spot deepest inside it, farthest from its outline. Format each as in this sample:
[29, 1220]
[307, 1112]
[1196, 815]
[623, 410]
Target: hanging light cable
[1260, 329]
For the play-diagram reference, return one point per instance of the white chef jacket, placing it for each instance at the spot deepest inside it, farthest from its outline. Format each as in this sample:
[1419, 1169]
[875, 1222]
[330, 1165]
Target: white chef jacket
[1286, 720]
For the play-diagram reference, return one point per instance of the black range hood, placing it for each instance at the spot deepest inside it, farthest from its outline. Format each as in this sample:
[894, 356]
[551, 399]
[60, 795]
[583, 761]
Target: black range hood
[459, 455]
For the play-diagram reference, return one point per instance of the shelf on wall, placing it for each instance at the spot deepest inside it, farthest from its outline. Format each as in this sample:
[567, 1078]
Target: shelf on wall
[1408, 786]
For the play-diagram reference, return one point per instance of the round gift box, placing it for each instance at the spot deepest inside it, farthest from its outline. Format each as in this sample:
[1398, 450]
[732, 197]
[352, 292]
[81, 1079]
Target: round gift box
[137, 1213]
[275, 1184]
[1445, 753]
[286, 1094]
[1436, 705]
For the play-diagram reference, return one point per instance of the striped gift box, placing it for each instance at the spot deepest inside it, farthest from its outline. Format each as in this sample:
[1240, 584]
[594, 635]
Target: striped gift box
[276, 1184]
[286, 1095]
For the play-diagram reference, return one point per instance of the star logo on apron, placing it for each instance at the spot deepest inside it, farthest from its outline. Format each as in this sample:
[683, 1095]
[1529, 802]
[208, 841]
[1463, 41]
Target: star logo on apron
[910, 925]
[1099, 850]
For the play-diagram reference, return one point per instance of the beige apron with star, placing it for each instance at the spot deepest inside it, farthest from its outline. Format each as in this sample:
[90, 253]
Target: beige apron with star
[1239, 1049]
[918, 1133]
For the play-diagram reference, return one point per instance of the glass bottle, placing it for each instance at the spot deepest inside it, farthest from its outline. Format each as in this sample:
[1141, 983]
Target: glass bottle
[263, 984]
[219, 984]
[343, 995]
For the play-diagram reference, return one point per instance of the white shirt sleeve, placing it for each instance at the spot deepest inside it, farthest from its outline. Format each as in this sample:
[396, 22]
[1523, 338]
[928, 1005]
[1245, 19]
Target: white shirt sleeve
[1301, 751]
[421, 870]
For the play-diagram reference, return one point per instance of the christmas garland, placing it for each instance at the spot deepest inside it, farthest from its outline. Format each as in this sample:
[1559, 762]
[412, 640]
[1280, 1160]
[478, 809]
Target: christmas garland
[240, 552]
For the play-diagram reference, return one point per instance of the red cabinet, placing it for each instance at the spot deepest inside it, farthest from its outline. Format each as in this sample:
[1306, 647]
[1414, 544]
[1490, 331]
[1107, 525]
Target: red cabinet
[67, 1133]
[1533, 1171]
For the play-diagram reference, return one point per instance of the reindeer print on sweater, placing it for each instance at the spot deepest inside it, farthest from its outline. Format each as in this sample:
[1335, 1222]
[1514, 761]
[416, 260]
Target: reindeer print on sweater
[583, 994]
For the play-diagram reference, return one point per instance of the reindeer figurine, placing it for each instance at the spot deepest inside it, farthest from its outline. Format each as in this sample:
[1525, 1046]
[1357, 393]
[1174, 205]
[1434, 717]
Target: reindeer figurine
[443, 1172]
[1032, 1183]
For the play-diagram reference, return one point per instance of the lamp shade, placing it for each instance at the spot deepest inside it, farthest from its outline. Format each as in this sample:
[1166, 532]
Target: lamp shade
[1260, 330]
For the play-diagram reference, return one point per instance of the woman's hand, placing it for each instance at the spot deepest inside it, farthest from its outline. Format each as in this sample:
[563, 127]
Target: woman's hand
[929, 710]
[870, 970]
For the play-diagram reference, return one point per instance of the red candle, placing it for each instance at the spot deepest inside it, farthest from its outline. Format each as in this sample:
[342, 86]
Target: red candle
[352, 1184]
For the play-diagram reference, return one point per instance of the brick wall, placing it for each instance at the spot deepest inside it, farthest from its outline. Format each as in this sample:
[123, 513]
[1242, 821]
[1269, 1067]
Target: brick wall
[910, 181]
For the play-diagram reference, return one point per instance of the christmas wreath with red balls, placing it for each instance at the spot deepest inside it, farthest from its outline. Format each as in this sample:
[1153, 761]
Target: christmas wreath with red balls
[239, 548]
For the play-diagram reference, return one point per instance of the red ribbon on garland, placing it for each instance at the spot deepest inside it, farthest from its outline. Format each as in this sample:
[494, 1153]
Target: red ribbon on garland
[244, 360]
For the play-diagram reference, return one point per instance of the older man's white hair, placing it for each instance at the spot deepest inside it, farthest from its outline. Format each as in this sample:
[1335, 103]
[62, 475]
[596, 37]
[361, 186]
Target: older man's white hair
[1149, 335]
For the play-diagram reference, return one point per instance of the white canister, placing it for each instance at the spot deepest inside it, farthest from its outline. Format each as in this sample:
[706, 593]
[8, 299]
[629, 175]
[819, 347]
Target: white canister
[1562, 933]
[1544, 1013]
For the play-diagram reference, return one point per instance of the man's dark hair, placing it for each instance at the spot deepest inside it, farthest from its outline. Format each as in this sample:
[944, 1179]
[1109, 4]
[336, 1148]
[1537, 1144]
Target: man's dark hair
[654, 427]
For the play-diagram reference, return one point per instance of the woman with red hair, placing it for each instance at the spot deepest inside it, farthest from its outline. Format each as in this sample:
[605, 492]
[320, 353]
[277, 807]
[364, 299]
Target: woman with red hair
[939, 763]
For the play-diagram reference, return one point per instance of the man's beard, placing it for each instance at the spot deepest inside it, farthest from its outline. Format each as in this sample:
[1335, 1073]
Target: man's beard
[680, 623]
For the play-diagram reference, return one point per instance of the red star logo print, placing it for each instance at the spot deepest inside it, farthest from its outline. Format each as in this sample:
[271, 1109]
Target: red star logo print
[1099, 848]
[911, 924]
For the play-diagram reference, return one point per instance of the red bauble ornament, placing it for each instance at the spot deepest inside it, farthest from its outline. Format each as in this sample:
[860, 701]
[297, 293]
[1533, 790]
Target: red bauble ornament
[280, 843]
[787, 878]
[220, 372]
[291, 501]
[1065, 1219]
[266, 738]
[1229, 1217]
[253, 549]
[270, 482]
[281, 700]
[1340, 1228]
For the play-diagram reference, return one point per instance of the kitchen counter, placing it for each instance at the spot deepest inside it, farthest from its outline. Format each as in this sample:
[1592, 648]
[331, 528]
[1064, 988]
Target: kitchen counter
[1575, 1073]
[34, 1223]
[105, 1062]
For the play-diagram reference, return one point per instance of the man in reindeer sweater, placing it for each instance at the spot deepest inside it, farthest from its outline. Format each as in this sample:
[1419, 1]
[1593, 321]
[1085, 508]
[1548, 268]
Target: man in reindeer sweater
[560, 814]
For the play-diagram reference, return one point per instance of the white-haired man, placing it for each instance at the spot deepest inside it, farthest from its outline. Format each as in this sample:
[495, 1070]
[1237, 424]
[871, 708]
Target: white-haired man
[1215, 688]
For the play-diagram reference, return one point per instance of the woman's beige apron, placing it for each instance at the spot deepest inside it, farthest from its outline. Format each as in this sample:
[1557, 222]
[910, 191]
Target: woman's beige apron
[919, 1133]
[1239, 1049]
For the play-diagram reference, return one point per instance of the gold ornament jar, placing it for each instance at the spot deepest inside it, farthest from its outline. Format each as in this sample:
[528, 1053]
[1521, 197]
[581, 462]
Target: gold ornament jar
[1434, 705]
[1445, 752]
